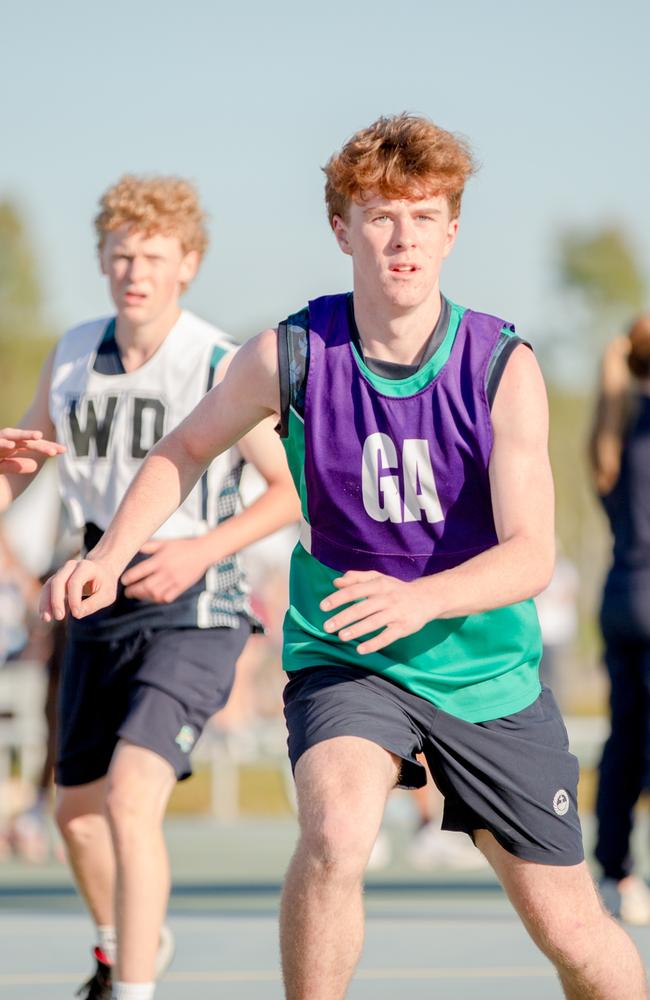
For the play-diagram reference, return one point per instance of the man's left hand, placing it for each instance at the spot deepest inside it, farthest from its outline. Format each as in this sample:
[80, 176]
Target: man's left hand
[381, 602]
[171, 568]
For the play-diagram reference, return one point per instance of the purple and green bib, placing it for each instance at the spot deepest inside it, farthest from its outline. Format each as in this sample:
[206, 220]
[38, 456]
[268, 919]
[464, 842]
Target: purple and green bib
[393, 476]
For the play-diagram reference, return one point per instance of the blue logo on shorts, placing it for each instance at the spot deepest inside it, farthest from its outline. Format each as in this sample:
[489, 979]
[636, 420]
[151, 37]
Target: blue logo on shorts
[185, 738]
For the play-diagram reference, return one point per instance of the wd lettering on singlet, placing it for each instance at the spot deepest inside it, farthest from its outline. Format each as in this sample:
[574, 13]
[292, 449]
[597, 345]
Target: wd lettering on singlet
[96, 424]
[91, 421]
[399, 488]
[148, 425]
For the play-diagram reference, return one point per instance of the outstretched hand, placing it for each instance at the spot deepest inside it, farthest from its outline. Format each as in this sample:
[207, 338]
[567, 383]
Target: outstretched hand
[380, 602]
[18, 446]
[173, 566]
[83, 586]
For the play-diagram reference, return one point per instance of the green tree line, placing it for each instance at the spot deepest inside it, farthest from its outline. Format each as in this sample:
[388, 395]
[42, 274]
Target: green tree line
[25, 338]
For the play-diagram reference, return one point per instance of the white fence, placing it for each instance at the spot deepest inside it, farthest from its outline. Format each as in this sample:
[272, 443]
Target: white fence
[22, 724]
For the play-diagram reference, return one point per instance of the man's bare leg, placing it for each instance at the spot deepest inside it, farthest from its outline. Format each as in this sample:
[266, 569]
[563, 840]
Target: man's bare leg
[139, 785]
[80, 814]
[561, 910]
[342, 786]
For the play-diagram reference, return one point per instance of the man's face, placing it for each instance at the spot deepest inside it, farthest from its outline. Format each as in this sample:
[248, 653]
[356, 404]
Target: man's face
[397, 247]
[146, 273]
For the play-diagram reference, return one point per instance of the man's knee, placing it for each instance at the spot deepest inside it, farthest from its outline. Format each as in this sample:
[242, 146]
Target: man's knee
[569, 942]
[338, 845]
[570, 936]
[139, 785]
[127, 812]
[342, 786]
[79, 817]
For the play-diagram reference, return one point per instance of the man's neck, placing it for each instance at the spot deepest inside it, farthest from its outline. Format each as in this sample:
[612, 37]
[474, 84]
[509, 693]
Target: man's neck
[139, 342]
[399, 336]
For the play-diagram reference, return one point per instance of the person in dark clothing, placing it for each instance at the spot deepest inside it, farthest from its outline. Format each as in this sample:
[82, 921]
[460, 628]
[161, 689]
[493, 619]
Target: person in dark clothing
[620, 457]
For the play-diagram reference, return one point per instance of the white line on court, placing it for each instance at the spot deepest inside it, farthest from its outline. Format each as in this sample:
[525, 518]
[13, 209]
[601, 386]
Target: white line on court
[273, 975]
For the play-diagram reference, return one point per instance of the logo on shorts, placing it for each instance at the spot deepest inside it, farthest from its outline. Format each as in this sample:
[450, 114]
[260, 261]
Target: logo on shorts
[185, 738]
[561, 802]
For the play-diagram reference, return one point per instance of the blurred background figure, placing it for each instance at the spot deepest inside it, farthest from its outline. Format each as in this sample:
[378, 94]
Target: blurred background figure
[620, 460]
[255, 701]
[557, 608]
[428, 847]
[34, 541]
[19, 590]
[431, 846]
[31, 835]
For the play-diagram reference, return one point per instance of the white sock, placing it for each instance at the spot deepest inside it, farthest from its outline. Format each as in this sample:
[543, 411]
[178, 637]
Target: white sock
[133, 991]
[107, 942]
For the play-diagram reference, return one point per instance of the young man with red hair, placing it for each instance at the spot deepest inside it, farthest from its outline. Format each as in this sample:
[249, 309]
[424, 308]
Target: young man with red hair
[140, 681]
[416, 433]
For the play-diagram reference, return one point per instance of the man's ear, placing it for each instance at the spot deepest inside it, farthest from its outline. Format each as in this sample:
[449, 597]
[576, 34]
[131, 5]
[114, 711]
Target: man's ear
[340, 228]
[451, 236]
[189, 267]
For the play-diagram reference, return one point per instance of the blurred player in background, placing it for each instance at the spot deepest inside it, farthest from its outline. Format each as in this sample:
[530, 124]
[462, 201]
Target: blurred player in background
[19, 592]
[620, 459]
[416, 432]
[35, 526]
[557, 610]
[140, 681]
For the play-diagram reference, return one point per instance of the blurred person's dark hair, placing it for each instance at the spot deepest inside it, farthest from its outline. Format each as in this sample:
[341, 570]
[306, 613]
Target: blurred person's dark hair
[626, 362]
[639, 356]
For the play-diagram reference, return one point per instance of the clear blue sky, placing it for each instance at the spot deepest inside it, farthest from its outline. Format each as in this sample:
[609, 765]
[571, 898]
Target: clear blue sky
[250, 101]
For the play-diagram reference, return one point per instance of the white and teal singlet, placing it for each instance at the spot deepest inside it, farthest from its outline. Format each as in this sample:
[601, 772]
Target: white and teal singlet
[108, 419]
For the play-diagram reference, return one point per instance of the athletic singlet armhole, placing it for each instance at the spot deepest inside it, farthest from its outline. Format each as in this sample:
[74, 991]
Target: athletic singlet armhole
[293, 363]
[285, 385]
[506, 345]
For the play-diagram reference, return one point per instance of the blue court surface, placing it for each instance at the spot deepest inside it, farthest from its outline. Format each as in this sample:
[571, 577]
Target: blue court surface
[434, 934]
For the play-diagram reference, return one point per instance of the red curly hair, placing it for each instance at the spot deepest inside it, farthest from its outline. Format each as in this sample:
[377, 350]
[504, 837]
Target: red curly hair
[168, 206]
[404, 156]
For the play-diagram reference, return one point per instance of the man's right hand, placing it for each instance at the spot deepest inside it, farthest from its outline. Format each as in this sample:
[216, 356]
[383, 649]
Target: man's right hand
[15, 448]
[84, 586]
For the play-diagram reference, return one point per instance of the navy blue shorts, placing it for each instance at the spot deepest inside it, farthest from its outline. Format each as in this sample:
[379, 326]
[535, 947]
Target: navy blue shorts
[156, 689]
[512, 776]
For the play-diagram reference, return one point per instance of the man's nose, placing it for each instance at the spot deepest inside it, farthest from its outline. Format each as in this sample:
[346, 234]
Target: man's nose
[137, 267]
[404, 235]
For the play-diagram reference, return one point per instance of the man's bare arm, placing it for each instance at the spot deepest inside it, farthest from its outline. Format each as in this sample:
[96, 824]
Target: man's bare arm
[523, 502]
[249, 393]
[175, 564]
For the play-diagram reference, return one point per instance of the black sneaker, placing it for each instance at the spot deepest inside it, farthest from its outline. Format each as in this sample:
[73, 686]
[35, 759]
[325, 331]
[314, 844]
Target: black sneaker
[100, 985]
